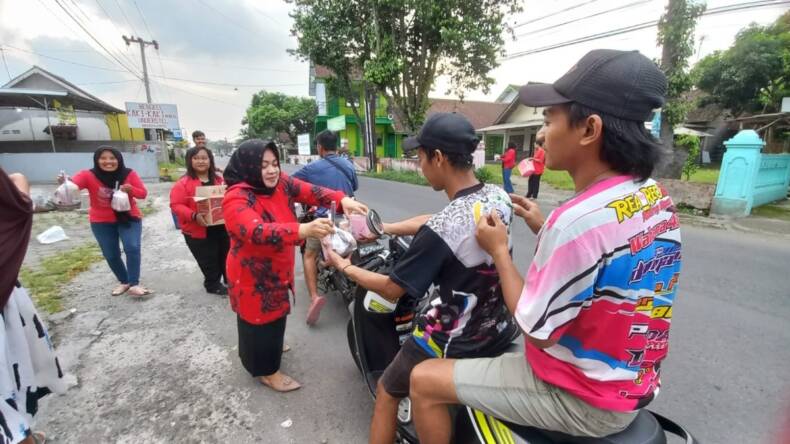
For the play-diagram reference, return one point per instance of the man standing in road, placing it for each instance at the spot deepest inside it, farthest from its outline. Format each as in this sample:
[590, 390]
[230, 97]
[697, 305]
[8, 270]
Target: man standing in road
[199, 138]
[336, 173]
[595, 306]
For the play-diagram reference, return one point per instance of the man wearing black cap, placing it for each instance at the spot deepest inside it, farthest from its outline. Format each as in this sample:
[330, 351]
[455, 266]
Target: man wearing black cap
[467, 316]
[596, 303]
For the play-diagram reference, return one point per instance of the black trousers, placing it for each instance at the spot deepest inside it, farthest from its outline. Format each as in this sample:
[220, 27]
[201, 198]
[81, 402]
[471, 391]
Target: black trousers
[261, 346]
[533, 186]
[210, 254]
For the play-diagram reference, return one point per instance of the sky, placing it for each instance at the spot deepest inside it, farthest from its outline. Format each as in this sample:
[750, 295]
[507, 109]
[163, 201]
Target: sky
[214, 54]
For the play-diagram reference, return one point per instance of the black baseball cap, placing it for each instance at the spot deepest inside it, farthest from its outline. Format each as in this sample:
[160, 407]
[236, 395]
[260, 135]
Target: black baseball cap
[624, 84]
[447, 132]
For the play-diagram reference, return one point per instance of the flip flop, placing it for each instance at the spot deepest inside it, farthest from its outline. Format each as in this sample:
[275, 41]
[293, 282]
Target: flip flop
[287, 384]
[315, 310]
[119, 290]
[39, 437]
[138, 291]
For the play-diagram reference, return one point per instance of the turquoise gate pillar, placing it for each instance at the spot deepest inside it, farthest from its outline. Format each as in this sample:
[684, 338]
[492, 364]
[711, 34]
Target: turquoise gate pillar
[739, 167]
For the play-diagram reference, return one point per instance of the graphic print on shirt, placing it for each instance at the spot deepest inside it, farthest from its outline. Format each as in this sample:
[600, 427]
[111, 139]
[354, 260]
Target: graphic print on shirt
[603, 284]
[466, 313]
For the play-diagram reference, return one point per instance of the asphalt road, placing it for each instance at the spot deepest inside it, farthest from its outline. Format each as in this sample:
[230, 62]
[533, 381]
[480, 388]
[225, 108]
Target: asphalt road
[167, 369]
[724, 378]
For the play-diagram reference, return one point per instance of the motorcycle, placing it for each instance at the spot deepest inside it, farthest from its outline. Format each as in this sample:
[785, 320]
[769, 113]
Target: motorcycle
[377, 328]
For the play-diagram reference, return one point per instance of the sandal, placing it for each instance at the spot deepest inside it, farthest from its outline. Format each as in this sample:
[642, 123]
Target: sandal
[38, 437]
[139, 291]
[315, 310]
[286, 384]
[121, 289]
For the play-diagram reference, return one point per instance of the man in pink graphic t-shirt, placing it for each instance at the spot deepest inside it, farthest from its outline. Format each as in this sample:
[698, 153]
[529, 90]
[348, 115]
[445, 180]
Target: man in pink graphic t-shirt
[595, 306]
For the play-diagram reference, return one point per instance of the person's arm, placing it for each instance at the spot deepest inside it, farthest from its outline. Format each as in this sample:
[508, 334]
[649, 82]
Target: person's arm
[408, 227]
[313, 195]
[80, 179]
[179, 202]
[134, 186]
[21, 183]
[375, 282]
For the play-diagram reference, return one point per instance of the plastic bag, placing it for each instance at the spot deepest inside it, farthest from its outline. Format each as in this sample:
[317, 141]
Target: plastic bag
[52, 235]
[341, 242]
[120, 201]
[68, 193]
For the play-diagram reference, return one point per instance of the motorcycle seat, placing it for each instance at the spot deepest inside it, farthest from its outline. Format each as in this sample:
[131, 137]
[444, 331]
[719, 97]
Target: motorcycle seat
[645, 429]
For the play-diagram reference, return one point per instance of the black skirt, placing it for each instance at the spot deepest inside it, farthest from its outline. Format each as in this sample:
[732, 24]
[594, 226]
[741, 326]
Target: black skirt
[261, 346]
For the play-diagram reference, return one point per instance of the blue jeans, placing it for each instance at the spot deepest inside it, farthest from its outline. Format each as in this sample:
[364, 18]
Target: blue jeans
[107, 235]
[506, 179]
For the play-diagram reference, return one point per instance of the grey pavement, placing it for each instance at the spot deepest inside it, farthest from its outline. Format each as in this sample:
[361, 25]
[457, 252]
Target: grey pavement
[166, 369]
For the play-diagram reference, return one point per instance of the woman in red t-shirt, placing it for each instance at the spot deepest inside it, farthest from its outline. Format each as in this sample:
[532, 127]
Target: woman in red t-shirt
[208, 244]
[539, 161]
[260, 219]
[108, 225]
[508, 162]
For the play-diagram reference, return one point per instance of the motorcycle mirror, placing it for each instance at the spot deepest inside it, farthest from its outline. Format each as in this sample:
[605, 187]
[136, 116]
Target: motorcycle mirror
[375, 225]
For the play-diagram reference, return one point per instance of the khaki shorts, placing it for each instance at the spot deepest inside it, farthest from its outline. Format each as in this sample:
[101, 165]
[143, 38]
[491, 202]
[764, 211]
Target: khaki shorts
[312, 244]
[506, 388]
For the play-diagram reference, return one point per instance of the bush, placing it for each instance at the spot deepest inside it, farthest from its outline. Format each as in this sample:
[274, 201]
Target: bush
[484, 175]
[691, 145]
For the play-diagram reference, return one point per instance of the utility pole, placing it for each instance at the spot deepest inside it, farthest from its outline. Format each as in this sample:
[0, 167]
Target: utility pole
[143, 43]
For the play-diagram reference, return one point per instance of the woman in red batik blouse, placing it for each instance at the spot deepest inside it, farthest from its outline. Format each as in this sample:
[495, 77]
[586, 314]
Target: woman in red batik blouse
[259, 216]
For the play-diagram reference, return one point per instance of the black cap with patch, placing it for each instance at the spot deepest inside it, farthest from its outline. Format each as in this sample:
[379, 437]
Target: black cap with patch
[447, 132]
[624, 84]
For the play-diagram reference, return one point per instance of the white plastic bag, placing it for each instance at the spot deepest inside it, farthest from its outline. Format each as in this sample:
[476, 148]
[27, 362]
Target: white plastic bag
[120, 201]
[52, 235]
[341, 241]
[68, 193]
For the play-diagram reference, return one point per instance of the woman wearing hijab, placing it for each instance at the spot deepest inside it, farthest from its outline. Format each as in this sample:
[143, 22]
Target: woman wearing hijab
[29, 369]
[209, 245]
[259, 216]
[108, 225]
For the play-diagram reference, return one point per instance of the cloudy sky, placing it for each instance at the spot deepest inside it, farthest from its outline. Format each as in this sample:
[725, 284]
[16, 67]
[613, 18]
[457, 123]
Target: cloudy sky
[214, 54]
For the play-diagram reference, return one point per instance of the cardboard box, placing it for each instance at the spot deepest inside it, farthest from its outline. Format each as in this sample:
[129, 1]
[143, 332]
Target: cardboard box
[209, 203]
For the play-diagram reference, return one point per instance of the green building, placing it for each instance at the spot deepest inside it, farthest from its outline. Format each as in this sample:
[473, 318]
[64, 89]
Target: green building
[335, 113]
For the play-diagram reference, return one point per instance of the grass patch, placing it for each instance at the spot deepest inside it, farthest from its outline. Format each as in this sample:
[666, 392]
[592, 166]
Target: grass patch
[46, 281]
[411, 177]
[171, 170]
[772, 212]
[148, 208]
[705, 175]
[558, 179]
[494, 173]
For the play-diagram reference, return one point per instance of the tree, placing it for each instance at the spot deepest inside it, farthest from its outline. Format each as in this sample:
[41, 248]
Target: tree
[754, 73]
[270, 114]
[676, 37]
[399, 47]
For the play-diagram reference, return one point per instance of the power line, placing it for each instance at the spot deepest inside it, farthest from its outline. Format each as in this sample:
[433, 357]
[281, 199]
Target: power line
[537, 19]
[2, 53]
[127, 58]
[128, 22]
[66, 61]
[230, 19]
[150, 34]
[236, 85]
[199, 95]
[619, 8]
[644, 25]
[223, 65]
[92, 37]
[112, 82]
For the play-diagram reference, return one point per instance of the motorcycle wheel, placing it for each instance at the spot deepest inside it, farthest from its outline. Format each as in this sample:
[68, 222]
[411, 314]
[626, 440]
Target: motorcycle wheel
[352, 344]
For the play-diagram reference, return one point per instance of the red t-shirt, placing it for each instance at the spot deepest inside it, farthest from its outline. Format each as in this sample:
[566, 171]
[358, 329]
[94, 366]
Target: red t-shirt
[509, 158]
[101, 195]
[263, 232]
[539, 161]
[184, 206]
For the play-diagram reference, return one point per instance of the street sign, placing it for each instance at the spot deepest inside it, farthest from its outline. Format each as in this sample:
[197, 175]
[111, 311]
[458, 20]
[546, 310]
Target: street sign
[336, 123]
[303, 141]
[152, 115]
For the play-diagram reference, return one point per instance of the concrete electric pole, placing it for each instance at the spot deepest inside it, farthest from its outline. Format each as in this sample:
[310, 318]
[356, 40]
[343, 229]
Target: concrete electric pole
[129, 41]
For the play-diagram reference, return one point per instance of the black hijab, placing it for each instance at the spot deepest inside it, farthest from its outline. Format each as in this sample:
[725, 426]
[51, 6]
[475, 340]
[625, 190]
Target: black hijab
[16, 221]
[112, 179]
[245, 165]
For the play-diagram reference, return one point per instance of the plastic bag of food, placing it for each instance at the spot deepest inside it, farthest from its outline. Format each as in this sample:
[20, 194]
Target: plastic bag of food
[68, 193]
[120, 201]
